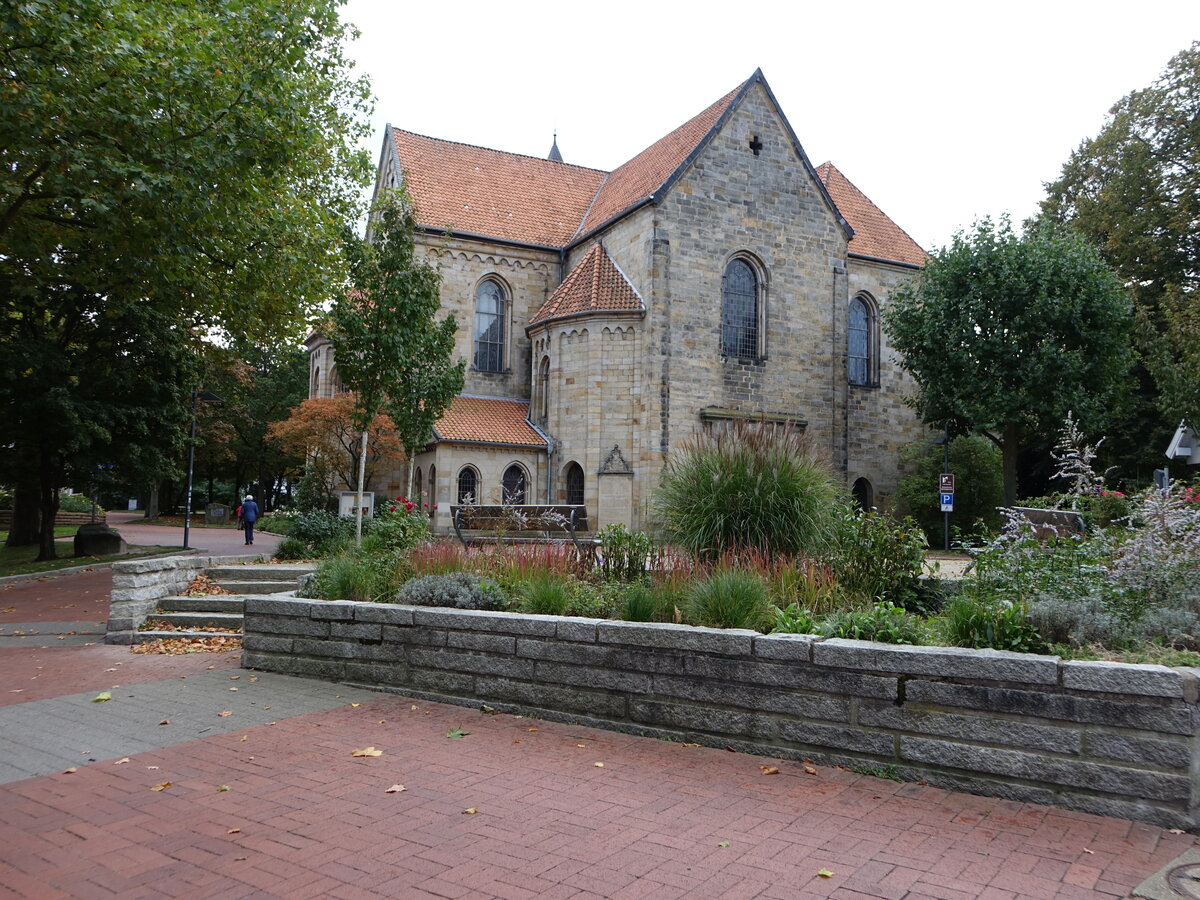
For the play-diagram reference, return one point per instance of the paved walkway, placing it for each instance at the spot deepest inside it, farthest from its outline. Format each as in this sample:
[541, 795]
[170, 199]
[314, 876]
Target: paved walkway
[201, 779]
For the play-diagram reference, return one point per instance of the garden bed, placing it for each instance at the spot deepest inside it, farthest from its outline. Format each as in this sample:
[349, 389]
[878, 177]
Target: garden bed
[1107, 738]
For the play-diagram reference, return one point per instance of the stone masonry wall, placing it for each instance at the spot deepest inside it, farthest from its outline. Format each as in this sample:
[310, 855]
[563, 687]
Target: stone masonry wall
[1100, 737]
[138, 585]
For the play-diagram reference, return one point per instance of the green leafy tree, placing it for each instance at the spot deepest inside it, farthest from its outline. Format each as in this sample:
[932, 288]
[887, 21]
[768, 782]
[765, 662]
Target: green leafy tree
[1134, 191]
[1005, 333]
[191, 159]
[979, 484]
[392, 349]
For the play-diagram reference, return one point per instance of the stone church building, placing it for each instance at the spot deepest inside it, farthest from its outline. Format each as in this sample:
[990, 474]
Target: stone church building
[606, 316]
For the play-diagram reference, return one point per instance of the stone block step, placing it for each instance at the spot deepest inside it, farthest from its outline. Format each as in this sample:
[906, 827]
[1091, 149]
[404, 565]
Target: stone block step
[287, 572]
[184, 619]
[221, 603]
[258, 587]
[142, 637]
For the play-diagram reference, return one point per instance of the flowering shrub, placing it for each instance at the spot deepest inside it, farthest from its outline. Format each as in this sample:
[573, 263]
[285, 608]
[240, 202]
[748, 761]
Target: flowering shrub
[396, 527]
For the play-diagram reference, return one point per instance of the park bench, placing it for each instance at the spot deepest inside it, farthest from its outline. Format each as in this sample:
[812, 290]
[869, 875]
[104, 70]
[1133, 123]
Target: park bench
[1048, 523]
[522, 523]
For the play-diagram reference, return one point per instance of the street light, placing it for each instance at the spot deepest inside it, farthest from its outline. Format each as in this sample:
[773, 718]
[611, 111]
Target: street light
[197, 396]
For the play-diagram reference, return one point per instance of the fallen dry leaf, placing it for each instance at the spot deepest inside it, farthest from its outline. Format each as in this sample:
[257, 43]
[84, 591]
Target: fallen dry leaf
[598, 765]
[244, 736]
[102, 697]
[152, 768]
[1086, 850]
[356, 705]
[224, 713]
[581, 745]
[470, 812]
[121, 762]
[533, 729]
[412, 707]
[810, 770]
[165, 722]
[366, 751]
[395, 789]
[161, 786]
[222, 788]
[723, 843]
[234, 831]
[233, 689]
[1174, 831]
[691, 745]
[71, 770]
[267, 707]
[234, 677]
[240, 858]
[824, 873]
[770, 770]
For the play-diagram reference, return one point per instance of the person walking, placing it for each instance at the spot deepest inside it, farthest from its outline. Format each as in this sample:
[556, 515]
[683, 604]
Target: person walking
[249, 517]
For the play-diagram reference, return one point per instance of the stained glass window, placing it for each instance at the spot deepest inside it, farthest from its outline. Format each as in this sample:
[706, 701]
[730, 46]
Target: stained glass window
[739, 311]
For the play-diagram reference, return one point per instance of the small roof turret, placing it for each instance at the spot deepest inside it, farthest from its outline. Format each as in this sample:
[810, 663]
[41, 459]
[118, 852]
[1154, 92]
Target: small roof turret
[555, 156]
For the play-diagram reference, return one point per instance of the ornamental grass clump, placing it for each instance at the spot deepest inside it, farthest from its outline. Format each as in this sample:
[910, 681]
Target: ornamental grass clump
[749, 486]
[729, 598]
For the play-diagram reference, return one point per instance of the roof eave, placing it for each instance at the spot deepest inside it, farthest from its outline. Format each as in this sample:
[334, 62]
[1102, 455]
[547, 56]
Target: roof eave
[620, 313]
[488, 239]
[890, 262]
[490, 443]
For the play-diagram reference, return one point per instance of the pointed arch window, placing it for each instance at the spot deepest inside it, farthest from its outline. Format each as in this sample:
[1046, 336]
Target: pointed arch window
[574, 480]
[862, 358]
[432, 490]
[740, 302]
[418, 488]
[491, 312]
[513, 484]
[468, 486]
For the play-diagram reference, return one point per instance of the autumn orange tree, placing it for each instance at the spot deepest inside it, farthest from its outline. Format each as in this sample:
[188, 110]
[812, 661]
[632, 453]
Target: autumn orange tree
[325, 428]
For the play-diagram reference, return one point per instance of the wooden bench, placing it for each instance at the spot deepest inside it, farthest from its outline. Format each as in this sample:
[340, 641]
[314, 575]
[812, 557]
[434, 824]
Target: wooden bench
[524, 523]
[1048, 523]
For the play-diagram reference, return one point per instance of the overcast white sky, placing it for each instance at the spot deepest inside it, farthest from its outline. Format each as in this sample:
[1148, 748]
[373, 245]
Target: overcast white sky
[940, 112]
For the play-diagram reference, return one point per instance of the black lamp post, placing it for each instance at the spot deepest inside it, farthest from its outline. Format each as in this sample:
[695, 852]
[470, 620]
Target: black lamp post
[197, 396]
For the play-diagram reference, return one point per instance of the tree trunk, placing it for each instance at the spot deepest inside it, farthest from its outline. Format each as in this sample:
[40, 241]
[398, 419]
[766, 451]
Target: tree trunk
[408, 491]
[48, 502]
[1010, 452]
[362, 474]
[152, 503]
[26, 516]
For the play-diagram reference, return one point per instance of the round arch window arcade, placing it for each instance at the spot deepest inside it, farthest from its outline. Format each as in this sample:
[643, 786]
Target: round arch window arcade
[513, 486]
[468, 486]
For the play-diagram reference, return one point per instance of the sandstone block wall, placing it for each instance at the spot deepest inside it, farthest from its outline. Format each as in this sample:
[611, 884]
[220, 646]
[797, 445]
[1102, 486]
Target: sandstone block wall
[138, 585]
[1099, 737]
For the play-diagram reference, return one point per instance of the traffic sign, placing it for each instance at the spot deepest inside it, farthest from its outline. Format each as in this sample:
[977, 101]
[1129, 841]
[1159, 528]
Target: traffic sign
[947, 502]
[946, 483]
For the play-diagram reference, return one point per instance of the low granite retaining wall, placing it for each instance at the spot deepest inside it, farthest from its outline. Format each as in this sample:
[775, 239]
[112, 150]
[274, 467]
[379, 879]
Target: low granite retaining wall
[1100, 737]
[138, 585]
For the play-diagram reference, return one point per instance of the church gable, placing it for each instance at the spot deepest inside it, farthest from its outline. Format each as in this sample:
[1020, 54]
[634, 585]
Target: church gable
[753, 148]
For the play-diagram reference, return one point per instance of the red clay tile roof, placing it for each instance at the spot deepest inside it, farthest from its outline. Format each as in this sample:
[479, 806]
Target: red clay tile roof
[875, 235]
[488, 420]
[643, 175]
[594, 285]
[488, 192]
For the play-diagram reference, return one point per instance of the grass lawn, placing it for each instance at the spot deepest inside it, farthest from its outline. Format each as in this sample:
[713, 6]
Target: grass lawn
[59, 531]
[20, 560]
[177, 522]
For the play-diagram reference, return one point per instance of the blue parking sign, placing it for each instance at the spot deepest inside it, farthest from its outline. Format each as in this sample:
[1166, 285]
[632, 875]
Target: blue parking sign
[947, 502]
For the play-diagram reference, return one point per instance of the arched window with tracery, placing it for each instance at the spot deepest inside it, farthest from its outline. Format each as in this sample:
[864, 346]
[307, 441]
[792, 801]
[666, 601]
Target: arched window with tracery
[574, 484]
[740, 300]
[468, 486]
[432, 490]
[491, 310]
[862, 358]
[513, 485]
[418, 488]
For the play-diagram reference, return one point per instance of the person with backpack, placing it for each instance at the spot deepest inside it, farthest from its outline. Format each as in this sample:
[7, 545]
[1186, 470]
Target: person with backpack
[249, 514]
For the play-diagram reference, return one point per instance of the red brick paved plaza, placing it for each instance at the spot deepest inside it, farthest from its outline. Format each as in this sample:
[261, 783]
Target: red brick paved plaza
[303, 818]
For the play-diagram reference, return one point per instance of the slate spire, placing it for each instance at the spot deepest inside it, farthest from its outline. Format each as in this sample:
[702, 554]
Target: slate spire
[555, 156]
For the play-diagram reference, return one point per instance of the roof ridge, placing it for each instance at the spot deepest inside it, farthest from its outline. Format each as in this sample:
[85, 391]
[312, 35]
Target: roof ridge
[430, 137]
[490, 397]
